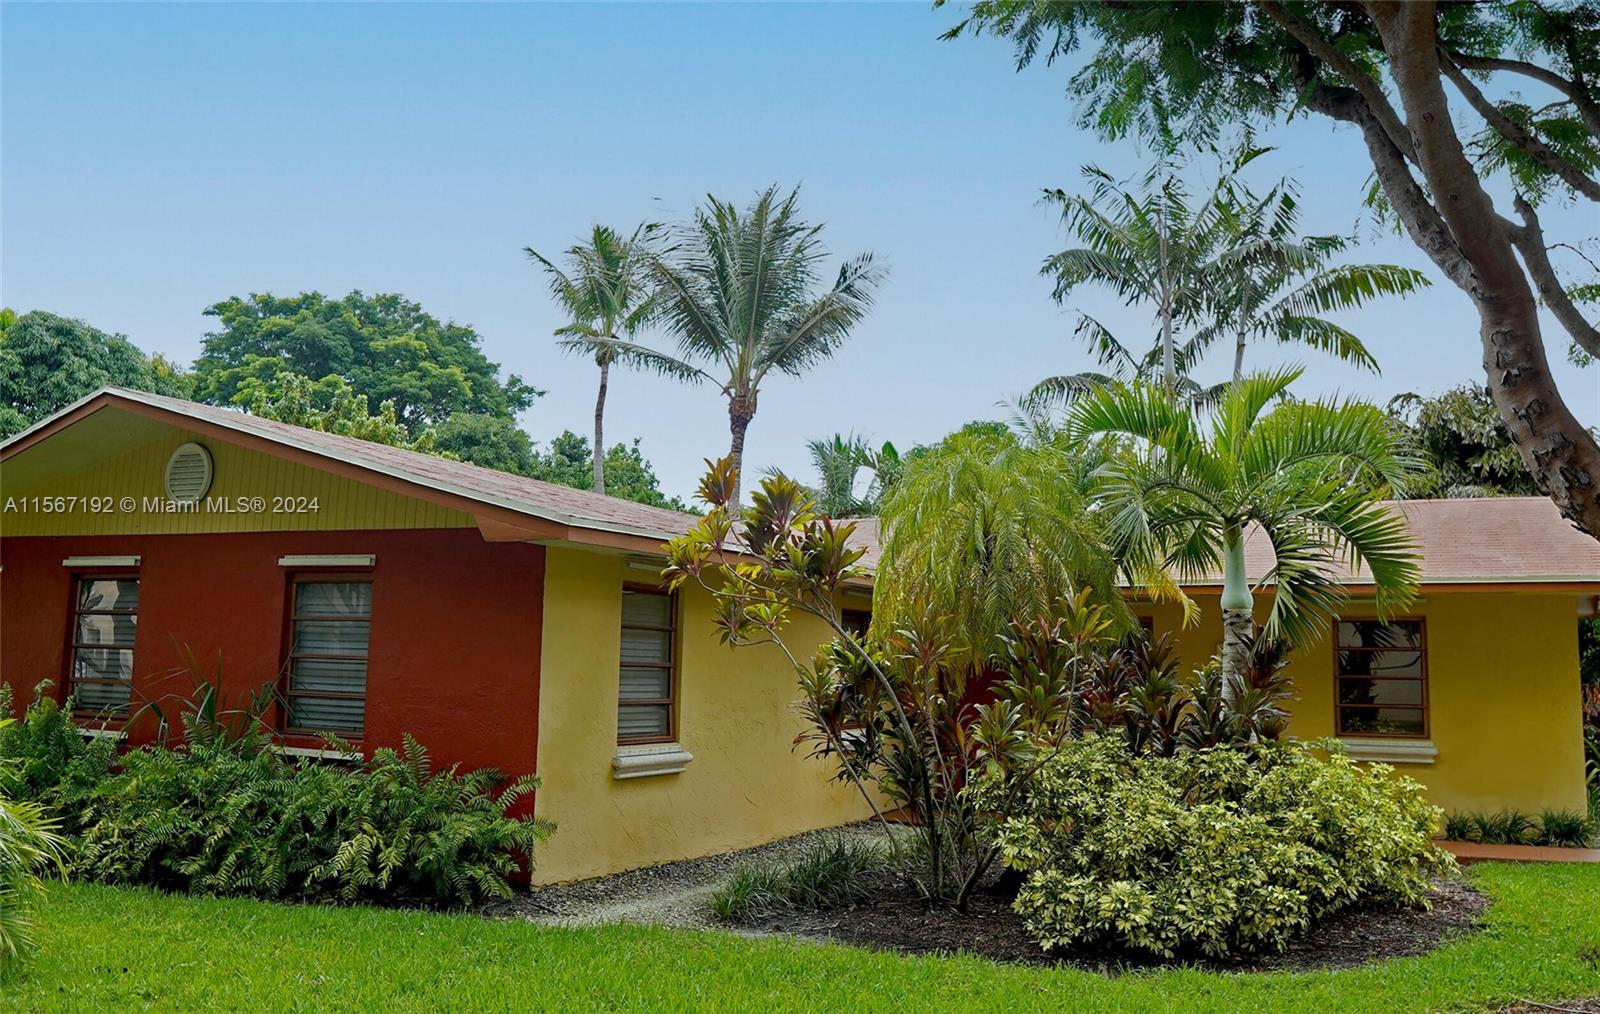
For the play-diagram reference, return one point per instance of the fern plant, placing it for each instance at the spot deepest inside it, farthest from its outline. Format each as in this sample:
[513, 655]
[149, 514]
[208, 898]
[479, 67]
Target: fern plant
[30, 844]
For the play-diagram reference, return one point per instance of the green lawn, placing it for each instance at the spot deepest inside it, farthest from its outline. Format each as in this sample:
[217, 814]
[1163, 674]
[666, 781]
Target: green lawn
[106, 948]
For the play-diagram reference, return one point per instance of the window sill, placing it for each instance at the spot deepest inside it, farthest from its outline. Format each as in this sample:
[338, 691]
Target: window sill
[651, 759]
[318, 753]
[102, 733]
[1391, 751]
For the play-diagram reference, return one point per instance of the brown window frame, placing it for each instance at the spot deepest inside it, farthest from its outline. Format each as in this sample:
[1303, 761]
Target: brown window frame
[1339, 675]
[70, 681]
[286, 679]
[857, 621]
[671, 700]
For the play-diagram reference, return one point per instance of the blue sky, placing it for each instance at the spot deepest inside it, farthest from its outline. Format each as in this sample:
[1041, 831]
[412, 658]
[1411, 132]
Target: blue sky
[157, 159]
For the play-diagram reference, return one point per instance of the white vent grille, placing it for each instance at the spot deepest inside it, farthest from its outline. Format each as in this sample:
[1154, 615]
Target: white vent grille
[188, 473]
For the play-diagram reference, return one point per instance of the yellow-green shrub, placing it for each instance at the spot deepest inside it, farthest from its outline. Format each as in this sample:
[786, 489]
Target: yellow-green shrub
[1219, 851]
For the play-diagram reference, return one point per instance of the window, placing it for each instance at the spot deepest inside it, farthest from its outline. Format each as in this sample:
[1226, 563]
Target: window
[330, 631]
[1147, 625]
[1382, 684]
[856, 621]
[646, 686]
[105, 615]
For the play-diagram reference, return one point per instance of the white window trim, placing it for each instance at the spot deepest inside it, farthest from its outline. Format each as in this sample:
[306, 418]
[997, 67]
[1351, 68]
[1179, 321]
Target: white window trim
[100, 561]
[329, 560]
[649, 759]
[1391, 751]
[112, 734]
[317, 753]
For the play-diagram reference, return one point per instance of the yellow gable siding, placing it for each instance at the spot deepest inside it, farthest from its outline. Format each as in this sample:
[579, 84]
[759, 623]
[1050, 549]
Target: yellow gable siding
[747, 783]
[1502, 688]
[138, 472]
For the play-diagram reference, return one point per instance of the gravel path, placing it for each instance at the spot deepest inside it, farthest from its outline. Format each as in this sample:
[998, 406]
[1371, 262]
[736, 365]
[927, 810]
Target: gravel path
[672, 894]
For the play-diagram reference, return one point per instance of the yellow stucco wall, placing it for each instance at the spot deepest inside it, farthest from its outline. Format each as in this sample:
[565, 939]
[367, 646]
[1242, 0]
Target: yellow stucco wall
[138, 472]
[1503, 695]
[746, 784]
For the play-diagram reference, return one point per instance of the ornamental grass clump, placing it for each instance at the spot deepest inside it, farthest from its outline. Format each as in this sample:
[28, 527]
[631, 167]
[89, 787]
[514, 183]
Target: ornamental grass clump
[1211, 852]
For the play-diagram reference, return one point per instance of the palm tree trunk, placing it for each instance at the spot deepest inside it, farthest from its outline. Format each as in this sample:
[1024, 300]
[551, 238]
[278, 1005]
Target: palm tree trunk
[1238, 611]
[1244, 320]
[741, 410]
[599, 429]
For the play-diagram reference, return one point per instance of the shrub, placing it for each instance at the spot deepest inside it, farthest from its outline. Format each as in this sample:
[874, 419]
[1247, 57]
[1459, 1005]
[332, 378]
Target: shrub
[1215, 851]
[215, 820]
[1459, 827]
[1565, 829]
[44, 758]
[29, 845]
[833, 870]
[1505, 827]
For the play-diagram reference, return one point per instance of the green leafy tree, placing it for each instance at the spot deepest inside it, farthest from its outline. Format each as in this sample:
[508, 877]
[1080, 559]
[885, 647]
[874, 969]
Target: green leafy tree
[1386, 69]
[47, 362]
[1230, 264]
[329, 405]
[605, 289]
[1308, 477]
[566, 462]
[1467, 444]
[489, 440]
[738, 290]
[383, 346]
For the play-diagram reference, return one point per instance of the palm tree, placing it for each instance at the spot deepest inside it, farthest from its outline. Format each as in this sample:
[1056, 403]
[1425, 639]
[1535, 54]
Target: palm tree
[839, 462]
[1231, 262]
[1309, 477]
[984, 528]
[605, 288]
[739, 294]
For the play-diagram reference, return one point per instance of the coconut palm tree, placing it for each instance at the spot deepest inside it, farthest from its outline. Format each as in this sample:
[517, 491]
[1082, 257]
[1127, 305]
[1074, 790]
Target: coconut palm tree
[1229, 263]
[739, 292]
[1308, 477]
[605, 289]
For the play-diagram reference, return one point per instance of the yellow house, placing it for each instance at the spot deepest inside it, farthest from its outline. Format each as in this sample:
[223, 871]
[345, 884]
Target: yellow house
[511, 623]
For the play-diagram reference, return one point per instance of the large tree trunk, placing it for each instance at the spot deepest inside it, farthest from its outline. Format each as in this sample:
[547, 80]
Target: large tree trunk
[599, 429]
[741, 409]
[1557, 450]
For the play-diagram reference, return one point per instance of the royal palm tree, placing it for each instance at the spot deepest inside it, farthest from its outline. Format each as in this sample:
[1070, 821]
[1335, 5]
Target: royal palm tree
[739, 292]
[1308, 477]
[605, 289]
[1229, 263]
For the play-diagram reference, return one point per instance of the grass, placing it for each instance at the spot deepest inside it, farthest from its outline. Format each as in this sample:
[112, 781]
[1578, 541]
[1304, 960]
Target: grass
[109, 948]
[832, 870]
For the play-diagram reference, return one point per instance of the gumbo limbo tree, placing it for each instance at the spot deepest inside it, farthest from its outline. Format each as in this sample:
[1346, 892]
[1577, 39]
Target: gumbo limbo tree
[1389, 69]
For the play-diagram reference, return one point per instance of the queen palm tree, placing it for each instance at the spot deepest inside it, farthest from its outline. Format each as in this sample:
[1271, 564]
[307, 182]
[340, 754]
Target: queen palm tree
[1308, 477]
[839, 462]
[739, 292]
[1230, 263]
[605, 289]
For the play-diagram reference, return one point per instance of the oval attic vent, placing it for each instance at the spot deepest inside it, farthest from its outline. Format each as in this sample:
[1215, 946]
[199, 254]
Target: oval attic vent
[188, 473]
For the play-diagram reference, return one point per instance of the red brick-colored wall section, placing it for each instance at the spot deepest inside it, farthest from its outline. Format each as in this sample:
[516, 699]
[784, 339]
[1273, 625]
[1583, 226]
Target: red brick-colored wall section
[454, 658]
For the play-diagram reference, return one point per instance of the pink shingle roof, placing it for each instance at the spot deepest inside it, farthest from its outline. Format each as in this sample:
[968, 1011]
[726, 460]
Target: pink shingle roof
[1492, 539]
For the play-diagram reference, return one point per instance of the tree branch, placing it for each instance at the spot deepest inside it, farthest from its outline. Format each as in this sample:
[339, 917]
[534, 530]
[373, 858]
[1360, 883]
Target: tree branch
[1588, 108]
[1529, 240]
[1338, 60]
[1517, 134]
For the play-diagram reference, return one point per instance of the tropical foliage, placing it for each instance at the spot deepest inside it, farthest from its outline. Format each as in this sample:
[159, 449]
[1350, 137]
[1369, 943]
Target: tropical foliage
[1387, 70]
[853, 478]
[47, 362]
[383, 346]
[221, 812]
[1309, 478]
[605, 290]
[1214, 852]
[31, 846]
[330, 405]
[738, 290]
[1468, 446]
[1226, 263]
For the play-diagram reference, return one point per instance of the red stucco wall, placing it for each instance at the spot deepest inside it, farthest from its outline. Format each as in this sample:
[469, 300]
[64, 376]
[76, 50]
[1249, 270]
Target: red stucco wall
[455, 626]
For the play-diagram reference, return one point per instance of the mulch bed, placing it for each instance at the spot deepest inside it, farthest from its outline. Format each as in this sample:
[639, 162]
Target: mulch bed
[900, 921]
